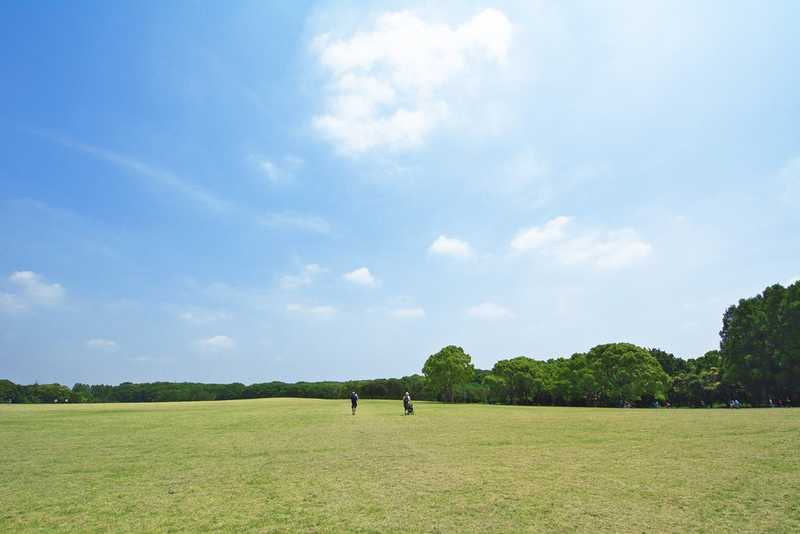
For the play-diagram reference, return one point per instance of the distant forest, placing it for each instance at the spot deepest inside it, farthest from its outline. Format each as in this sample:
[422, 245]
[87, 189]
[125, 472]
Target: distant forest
[757, 364]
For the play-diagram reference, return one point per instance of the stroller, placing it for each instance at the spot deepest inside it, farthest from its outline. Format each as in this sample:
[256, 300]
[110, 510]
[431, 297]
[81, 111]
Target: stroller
[409, 408]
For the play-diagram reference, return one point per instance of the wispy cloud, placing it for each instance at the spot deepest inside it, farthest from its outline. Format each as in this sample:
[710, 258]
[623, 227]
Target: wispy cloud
[305, 277]
[307, 223]
[204, 317]
[407, 313]
[277, 172]
[157, 176]
[102, 344]
[360, 276]
[450, 246]
[602, 249]
[217, 343]
[164, 179]
[537, 237]
[489, 311]
[318, 310]
[33, 289]
[12, 304]
[606, 250]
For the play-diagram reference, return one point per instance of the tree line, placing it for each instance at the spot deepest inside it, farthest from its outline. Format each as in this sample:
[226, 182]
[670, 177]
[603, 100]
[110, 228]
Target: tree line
[758, 363]
[390, 388]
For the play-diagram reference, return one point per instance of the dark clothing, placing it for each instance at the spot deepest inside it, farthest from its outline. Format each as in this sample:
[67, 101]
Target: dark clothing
[354, 400]
[408, 408]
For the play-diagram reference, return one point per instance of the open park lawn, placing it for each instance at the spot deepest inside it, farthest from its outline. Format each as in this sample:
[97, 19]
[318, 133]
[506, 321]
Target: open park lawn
[308, 465]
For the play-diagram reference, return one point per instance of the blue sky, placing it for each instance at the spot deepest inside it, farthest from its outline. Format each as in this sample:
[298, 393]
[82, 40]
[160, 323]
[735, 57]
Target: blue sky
[250, 191]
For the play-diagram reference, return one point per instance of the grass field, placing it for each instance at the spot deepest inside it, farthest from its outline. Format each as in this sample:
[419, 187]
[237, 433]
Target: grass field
[296, 464]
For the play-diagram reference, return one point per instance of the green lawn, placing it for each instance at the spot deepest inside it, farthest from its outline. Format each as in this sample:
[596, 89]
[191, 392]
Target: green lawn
[296, 464]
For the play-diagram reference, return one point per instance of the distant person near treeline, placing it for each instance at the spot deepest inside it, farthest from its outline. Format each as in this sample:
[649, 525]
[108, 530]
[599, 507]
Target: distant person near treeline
[408, 407]
[353, 401]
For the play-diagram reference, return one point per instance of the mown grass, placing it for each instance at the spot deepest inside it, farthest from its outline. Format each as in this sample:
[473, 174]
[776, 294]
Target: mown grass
[307, 465]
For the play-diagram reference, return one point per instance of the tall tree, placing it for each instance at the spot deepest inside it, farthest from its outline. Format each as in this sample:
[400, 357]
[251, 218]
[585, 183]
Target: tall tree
[626, 372]
[520, 380]
[447, 369]
[669, 362]
[8, 391]
[760, 343]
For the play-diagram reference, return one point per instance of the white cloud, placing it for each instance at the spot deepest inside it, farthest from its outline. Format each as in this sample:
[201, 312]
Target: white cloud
[449, 246]
[204, 316]
[407, 313]
[538, 237]
[489, 311]
[791, 281]
[321, 311]
[304, 278]
[387, 84]
[102, 344]
[270, 170]
[610, 250]
[34, 288]
[600, 249]
[11, 303]
[277, 172]
[308, 223]
[217, 343]
[360, 276]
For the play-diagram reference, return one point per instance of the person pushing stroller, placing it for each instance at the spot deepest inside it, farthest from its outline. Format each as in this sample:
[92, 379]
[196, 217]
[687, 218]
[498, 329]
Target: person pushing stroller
[408, 407]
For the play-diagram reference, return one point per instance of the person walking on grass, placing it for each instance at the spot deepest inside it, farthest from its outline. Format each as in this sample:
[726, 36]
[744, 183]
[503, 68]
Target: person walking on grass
[353, 401]
[406, 403]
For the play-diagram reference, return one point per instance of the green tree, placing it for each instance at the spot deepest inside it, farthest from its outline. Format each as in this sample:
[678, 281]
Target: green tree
[760, 344]
[47, 392]
[669, 362]
[520, 380]
[447, 369]
[8, 391]
[577, 381]
[560, 385]
[626, 372]
[497, 389]
[81, 393]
